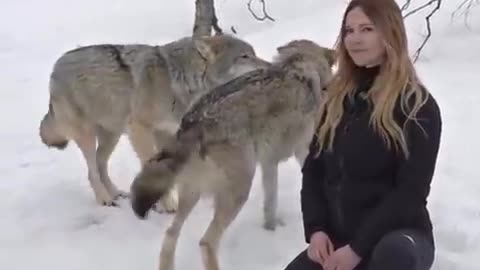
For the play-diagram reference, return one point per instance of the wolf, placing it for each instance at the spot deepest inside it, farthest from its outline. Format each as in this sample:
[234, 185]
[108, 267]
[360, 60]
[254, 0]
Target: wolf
[263, 116]
[100, 92]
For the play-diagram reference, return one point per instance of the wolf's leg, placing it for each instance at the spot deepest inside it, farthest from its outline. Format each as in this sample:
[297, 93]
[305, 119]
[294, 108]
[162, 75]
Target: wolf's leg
[226, 210]
[303, 145]
[86, 141]
[168, 202]
[142, 141]
[188, 199]
[107, 141]
[239, 168]
[270, 193]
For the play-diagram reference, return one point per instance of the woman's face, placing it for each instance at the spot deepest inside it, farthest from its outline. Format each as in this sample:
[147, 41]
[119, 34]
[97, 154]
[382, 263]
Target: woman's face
[363, 42]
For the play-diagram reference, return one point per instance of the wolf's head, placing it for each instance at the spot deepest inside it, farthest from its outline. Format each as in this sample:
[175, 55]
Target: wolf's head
[227, 57]
[307, 56]
[309, 49]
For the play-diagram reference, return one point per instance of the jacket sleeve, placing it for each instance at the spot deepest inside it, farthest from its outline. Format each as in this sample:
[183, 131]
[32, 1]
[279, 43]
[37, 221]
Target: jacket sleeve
[313, 203]
[413, 178]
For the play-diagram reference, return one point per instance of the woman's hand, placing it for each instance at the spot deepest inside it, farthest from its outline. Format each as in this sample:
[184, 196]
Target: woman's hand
[343, 258]
[320, 247]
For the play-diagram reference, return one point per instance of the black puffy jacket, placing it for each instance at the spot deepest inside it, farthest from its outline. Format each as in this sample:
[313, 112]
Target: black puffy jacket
[360, 191]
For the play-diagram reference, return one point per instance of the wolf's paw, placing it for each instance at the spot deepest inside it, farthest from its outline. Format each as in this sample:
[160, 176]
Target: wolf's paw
[160, 208]
[272, 223]
[168, 203]
[116, 193]
[120, 194]
[105, 199]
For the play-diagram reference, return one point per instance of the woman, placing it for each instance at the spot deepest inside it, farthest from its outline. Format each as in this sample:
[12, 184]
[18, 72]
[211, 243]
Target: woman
[371, 161]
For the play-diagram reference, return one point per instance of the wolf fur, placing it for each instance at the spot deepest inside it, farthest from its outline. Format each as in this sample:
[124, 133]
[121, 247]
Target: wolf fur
[99, 92]
[264, 116]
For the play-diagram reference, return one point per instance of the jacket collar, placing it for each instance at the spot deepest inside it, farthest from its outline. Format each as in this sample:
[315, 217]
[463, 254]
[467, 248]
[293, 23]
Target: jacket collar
[365, 76]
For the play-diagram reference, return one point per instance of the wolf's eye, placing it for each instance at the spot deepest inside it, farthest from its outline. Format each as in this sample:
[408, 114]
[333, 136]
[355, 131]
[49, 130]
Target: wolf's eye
[244, 56]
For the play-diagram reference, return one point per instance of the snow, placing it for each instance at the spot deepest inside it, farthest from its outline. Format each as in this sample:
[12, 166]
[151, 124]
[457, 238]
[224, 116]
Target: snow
[49, 217]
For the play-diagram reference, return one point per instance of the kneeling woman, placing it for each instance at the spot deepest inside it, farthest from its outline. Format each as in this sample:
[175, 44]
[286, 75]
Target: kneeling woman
[371, 161]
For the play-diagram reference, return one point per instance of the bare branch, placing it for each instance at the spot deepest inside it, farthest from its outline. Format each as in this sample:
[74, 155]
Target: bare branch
[466, 6]
[264, 10]
[428, 3]
[460, 7]
[406, 5]
[429, 30]
[420, 8]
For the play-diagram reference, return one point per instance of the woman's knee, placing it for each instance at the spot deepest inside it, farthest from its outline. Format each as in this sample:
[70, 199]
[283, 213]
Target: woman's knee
[403, 249]
[303, 262]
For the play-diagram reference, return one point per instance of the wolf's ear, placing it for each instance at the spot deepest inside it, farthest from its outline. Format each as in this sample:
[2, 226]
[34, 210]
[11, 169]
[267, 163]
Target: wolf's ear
[204, 48]
[286, 47]
[330, 55]
[281, 48]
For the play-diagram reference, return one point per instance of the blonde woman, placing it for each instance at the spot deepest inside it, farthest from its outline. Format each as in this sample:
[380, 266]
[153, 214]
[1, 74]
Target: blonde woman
[371, 161]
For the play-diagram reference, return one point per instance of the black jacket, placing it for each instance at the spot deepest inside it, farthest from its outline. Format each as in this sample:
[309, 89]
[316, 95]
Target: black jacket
[360, 191]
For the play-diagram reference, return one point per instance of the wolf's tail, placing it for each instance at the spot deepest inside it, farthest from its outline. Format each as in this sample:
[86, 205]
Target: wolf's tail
[158, 176]
[49, 131]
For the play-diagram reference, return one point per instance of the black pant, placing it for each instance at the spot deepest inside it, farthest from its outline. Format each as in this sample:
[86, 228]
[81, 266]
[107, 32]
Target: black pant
[399, 250]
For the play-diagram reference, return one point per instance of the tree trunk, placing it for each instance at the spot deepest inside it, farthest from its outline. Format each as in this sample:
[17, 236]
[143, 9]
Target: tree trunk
[204, 17]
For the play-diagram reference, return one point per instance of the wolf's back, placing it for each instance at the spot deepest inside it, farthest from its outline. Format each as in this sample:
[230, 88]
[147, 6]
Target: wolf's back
[199, 110]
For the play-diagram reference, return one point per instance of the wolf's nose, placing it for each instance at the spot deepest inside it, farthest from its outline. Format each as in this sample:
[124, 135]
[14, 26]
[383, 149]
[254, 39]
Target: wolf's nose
[140, 206]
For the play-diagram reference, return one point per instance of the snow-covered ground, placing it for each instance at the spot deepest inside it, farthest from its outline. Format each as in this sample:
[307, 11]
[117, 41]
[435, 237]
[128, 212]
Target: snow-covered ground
[49, 219]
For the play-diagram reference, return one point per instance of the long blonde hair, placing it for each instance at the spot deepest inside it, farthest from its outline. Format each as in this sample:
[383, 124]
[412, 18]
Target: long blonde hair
[397, 79]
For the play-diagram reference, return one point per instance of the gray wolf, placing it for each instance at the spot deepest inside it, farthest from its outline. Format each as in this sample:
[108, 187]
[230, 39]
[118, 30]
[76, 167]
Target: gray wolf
[99, 92]
[264, 116]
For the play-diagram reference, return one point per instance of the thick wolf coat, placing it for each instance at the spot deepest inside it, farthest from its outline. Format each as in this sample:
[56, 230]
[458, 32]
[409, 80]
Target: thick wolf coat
[263, 116]
[99, 92]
